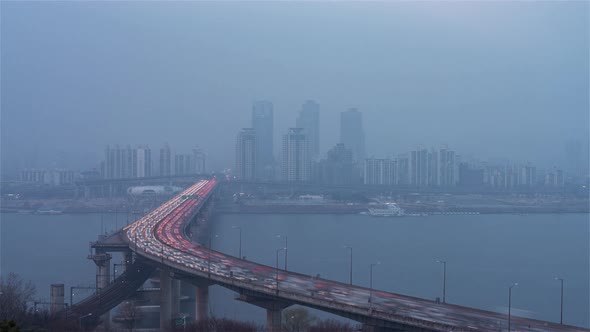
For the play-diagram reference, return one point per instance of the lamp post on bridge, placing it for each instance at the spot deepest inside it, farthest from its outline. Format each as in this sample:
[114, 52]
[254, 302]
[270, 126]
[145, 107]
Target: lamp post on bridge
[209, 255]
[286, 248]
[371, 281]
[510, 302]
[444, 263]
[561, 303]
[240, 250]
[277, 268]
[350, 264]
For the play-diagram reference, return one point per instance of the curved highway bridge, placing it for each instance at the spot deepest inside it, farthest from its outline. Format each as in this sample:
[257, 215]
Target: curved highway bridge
[160, 240]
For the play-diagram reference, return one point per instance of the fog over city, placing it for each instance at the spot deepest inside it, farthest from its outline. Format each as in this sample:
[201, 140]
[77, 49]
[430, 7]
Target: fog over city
[295, 166]
[490, 80]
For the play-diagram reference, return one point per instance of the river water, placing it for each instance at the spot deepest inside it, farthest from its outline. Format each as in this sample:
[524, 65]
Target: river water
[485, 254]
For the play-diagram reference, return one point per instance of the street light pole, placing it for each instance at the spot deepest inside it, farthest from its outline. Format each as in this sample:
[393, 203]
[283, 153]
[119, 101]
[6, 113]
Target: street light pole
[510, 302]
[240, 251]
[444, 263]
[286, 248]
[350, 263]
[371, 280]
[561, 305]
[277, 268]
[209, 256]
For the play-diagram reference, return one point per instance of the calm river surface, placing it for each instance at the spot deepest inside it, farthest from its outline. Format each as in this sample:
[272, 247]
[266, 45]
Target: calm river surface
[484, 254]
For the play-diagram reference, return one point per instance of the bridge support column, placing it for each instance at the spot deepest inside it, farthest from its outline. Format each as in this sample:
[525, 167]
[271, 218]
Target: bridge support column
[103, 274]
[273, 319]
[175, 297]
[56, 298]
[165, 300]
[202, 302]
[274, 310]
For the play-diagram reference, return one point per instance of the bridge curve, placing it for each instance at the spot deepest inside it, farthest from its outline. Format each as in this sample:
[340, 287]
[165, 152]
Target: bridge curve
[160, 238]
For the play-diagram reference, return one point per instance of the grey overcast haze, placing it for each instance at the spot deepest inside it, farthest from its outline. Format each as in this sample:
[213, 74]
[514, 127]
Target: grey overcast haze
[490, 80]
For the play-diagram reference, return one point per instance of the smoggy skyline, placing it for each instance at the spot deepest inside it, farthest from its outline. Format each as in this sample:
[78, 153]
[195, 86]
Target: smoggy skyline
[491, 80]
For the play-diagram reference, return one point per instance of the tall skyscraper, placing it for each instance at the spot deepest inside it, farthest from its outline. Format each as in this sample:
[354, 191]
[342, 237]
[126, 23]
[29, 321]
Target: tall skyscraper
[246, 154]
[352, 134]
[309, 120]
[144, 161]
[447, 167]
[112, 161]
[165, 161]
[296, 165]
[403, 170]
[128, 163]
[198, 161]
[262, 122]
[182, 164]
[419, 167]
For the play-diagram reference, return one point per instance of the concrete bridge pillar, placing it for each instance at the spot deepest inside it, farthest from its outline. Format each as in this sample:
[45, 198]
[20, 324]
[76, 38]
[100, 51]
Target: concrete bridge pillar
[202, 302]
[165, 300]
[274, 310]
[175, 297]
[273, 319]
[56, 298]
[103, 276]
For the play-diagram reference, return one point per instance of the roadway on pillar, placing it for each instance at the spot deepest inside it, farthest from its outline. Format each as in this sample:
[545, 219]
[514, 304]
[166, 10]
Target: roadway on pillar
[122, 288]
[159, 237]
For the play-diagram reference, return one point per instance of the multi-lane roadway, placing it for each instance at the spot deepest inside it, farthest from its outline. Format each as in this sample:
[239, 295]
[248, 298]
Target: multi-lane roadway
[160, 236]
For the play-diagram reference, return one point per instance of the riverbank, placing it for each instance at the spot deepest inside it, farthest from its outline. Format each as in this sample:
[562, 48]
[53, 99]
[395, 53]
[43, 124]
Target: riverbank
[358, 208]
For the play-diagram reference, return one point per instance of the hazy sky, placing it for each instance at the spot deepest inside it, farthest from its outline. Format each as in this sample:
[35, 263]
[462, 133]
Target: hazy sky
[496, 79]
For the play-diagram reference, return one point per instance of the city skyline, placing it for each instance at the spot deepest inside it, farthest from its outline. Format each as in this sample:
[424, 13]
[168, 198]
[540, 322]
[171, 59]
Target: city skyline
[474, 85]
[421, 166]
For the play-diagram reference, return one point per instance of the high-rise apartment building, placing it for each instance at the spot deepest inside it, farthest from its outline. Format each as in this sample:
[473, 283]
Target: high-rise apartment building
[246, 154]
[527, 176]
[403, 170]
[54, 177]
[144, 161]
[309, 120]
[262, 123]
[199, 159]
[446, 167]
[338, 168]
[380, 171]
[352, 134]
[122, 163]
[419, 167]
[182, 164]
[165, 161]
[296, 165]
